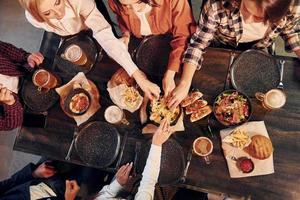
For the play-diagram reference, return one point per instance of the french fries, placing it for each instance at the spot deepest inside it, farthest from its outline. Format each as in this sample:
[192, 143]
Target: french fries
[238, 138]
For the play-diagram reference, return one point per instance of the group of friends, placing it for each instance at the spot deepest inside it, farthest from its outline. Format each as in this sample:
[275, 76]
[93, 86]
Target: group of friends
[235, 24]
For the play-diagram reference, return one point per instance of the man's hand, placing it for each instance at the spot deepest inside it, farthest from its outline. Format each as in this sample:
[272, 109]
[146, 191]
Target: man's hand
[6, 96]
[168, 82]
[72, 189]
[177, 95]
[44, 170]
[123, 174]
[162, 133]
[150, 89]
[35, 59]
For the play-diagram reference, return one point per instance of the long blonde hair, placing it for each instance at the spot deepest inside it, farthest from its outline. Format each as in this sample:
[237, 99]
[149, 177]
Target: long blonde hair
[32, 7]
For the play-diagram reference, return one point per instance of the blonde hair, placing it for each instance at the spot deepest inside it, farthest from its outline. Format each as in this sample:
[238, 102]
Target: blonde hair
[32, 7]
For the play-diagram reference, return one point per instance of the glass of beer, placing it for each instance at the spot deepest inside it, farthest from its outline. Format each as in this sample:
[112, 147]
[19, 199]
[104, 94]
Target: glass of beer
[203, 147]
[43, 79]
[273, 99]
[75, 54]
[115, 115]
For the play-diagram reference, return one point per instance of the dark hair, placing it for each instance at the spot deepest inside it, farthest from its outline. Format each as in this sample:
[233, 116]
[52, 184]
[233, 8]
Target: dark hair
[149, 2]
[274, 10]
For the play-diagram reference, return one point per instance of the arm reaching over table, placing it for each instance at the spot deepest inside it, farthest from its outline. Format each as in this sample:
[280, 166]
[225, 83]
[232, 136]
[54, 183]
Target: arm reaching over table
[150, 173]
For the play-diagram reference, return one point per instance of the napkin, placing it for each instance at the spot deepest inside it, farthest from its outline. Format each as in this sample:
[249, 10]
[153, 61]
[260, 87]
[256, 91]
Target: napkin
[116, 96]
[90, 87]
[261, 167]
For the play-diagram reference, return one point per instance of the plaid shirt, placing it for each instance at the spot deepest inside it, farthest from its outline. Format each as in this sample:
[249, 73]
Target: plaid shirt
[12, 62]
[221, 20]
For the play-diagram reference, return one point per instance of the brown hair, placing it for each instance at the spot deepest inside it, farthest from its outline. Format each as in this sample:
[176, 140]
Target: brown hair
[274, 10]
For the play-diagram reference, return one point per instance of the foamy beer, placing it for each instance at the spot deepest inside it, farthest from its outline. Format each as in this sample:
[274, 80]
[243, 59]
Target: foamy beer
[203, 147]
[44, 79]
[273, 99]
[74, 54]
[115, 115]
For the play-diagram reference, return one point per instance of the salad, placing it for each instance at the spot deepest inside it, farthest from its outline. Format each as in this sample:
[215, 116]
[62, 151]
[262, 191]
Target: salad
[231, 108]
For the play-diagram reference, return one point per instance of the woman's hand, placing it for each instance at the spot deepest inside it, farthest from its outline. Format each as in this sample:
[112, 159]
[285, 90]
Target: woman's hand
[35, 59]
[72, 189]
[178, 94]
[162, 133]
[168, 82]
[44, 170]
[6, 96]
[150, 89]
[122, 174]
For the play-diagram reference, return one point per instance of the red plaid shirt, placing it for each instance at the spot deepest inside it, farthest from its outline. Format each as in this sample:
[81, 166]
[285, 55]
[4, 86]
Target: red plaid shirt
[12, 62]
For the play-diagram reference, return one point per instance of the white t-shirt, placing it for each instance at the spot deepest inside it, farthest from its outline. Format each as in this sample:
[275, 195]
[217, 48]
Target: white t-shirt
[80, 15]
[253, 31]
[10, 82]
[145, 27]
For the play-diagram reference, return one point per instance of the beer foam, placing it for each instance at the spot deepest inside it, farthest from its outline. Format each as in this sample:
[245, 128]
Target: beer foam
[275, 98]
[73, 53]
[113, 114]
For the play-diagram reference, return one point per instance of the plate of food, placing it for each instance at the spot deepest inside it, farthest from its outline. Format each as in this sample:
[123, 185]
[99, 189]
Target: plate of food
[77, 102]
[232, 108]
[195, 106]
[158, 110]
[248, 150]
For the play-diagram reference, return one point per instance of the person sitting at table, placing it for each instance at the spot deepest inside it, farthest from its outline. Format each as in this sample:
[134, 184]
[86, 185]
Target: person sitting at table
[155, 17]
[68, 17]
[38, 182]
[150, 173]
[239, 24]
[14, 62]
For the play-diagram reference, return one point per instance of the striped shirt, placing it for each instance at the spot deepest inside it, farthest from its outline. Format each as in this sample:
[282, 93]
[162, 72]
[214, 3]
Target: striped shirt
[221, 20]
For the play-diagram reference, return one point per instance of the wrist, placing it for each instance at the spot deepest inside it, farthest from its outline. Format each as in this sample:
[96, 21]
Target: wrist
[156, 143]
[169, 74]
[138, 76]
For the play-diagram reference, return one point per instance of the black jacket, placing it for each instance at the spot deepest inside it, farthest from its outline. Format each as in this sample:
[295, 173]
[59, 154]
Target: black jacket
[17, 187]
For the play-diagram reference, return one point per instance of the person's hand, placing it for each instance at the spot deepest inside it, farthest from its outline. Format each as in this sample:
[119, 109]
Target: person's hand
[35, 59]
[162, 133]
[44, 170]
[6, 96]
[168, 82]
[177, 95]
[123, 174]
[150, 89]
[72, 189]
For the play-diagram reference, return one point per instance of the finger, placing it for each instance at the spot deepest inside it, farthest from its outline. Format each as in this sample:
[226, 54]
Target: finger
[39, 57]
[2, 93]
[173, 103]
[164, 124]
[68, 185]
[121, 170]
[149, 95]
[36, 59]
[7, 94]
[128, 170]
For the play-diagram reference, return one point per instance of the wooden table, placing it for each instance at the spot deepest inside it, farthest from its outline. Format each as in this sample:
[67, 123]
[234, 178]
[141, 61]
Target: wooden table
[283, 126]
